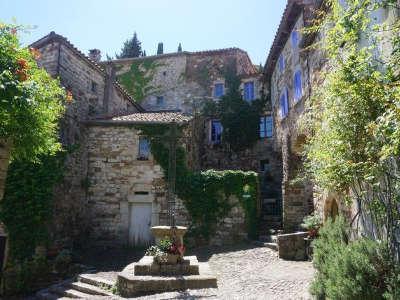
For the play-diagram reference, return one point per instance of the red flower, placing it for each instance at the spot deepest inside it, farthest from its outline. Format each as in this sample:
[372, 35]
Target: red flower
[21, 74]
[22, 63]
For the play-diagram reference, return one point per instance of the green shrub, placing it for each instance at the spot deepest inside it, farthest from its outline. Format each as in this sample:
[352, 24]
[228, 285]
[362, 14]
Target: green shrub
[359, 269]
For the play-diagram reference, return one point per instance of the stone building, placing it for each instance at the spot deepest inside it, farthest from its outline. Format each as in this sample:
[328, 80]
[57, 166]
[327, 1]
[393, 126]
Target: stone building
[292, 72]
[113, 188]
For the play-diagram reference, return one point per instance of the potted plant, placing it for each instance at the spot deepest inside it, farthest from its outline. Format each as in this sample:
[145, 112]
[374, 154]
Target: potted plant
[312, 223]
[166, 252]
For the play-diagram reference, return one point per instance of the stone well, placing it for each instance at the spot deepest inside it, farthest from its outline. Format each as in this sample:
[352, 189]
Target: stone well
[149, 277]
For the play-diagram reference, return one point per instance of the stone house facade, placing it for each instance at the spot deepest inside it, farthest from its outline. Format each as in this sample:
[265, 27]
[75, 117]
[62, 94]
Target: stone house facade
[292, 72]
[94, 93]
[109, 189]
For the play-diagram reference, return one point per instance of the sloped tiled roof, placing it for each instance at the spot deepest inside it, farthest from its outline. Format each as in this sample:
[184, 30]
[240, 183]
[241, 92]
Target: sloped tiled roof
[54, 37]
[159, 117]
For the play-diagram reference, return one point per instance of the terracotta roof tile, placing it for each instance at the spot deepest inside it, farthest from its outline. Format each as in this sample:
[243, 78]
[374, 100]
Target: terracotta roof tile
[160, 117]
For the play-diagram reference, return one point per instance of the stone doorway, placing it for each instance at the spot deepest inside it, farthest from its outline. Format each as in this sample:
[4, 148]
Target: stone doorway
[331, 209]
[139, 224]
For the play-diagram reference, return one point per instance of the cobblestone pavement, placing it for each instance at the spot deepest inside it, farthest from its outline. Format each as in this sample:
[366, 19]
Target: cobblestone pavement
[246, 272]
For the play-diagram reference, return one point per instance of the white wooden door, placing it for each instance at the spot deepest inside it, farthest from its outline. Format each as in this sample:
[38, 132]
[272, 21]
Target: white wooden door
[139, 225]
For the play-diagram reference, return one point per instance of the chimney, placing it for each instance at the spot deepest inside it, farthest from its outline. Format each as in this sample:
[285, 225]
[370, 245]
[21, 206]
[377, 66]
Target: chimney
[95, 55]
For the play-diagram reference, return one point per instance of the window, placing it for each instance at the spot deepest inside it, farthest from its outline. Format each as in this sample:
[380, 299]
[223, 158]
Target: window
[281, 63]
[266, 126]
[295, 38]
[297, 86]
[216, 132]
[144, 148]
[93, 87]
[284, 104]
[218, 90]
[249, 91]
[160, 100]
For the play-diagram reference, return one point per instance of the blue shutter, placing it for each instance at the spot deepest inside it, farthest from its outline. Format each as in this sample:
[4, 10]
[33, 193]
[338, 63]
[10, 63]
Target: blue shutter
[218, 90]
[262, 127]
[144, 148]
[281, 63]
[298, 90]
[216, 131]
[269, 125]
[249, 91]
[284, 104]
[295, 38]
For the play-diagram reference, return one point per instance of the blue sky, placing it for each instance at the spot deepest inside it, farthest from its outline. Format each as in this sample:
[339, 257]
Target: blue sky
[197, 24]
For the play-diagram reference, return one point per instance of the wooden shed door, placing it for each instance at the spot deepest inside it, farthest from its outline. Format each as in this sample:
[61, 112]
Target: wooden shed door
[139, 225]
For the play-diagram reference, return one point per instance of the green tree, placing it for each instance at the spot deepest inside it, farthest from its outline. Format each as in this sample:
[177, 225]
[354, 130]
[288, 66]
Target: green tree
[160, 48]
[131, 48]
[179, 47]
[31, 103]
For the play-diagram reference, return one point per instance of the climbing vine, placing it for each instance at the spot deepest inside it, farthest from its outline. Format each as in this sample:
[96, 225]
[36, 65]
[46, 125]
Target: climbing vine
[26, 208]
[239, 118]
[138, 78]
[354, 116]
[206, 194]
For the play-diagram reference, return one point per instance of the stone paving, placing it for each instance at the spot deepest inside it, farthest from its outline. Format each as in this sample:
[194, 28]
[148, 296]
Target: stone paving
[246, 272]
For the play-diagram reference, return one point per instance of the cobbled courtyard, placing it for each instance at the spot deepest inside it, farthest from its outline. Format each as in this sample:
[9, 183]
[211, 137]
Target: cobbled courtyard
[243, 272]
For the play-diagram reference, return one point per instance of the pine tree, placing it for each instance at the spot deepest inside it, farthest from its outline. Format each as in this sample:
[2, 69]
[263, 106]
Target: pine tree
[132, 48]
[180, 48]
[144, 53]
[160, 48]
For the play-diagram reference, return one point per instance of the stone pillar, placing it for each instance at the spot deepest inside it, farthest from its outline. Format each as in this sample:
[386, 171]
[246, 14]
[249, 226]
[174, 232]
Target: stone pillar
[4, 162]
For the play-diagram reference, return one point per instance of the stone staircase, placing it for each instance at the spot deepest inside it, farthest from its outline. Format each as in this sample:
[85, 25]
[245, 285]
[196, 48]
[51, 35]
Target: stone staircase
[87, 286]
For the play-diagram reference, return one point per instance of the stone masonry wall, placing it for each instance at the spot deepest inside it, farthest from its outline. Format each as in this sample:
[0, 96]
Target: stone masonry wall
[87, 84]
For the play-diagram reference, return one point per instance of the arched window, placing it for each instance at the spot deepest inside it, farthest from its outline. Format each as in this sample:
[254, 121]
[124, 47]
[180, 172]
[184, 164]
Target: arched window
[297, 86]
[284, 103]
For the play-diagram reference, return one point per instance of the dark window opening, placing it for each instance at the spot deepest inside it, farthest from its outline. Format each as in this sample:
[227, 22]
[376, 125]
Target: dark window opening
[160, 100]
[216, 132]
[266, 126]
[94, 87]
[141, 193]
[264, 165]
[144, 148]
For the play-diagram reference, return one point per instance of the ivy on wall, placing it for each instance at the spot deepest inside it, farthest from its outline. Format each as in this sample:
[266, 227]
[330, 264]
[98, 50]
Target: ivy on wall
[26, 208]
[239, 118]
[206, 194]
[137, 79]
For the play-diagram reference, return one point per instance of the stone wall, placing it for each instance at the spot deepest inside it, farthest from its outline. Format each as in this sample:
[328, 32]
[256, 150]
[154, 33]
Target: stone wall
[184, 79]
[87, 83]
[297, 192]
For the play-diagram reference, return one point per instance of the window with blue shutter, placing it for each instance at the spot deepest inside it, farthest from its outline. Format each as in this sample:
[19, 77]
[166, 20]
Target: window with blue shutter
[281, 63]
[297, 86]
[216, 132]
[249, 91]
[295, 38]
[284, 104]
[160, 100]
[218, 90]
[144, 148]
[266, 126]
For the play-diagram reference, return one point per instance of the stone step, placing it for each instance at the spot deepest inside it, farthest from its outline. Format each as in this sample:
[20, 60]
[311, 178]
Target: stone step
[268, 238]
[272, 246]
[68, 292]
[95, 280]
[89, 289]
[47, 295]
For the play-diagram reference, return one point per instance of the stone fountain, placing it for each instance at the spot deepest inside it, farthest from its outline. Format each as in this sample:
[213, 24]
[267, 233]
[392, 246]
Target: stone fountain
[148, 276]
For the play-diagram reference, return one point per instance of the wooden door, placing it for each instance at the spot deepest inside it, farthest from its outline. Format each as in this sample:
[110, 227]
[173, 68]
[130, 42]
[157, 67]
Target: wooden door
[139, 225]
